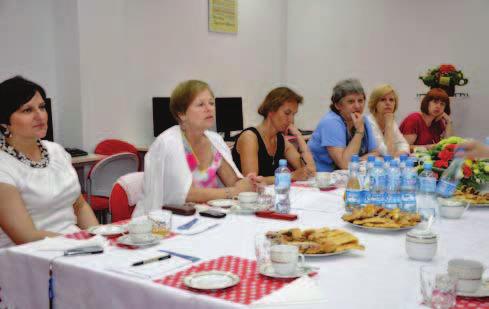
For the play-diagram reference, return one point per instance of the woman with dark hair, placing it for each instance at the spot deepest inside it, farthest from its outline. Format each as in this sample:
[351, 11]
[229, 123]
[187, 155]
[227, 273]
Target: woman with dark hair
[343, 131]
[430, 125]
[258, 149]
[39, 189]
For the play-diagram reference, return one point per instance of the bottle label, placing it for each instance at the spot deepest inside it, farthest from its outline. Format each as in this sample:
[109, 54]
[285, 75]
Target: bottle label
[353, 197]
[378, 182]
[408, 182]
[445, 188]
[427, 184]
[282, 180]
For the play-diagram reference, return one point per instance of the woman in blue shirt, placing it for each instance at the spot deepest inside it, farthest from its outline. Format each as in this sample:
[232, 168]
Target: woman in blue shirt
[343, 131]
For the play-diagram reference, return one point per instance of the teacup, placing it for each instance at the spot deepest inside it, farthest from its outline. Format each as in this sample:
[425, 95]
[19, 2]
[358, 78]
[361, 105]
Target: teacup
[323, 179]
[140, 230]
[247, 198]
[468, 272]
[284, 259]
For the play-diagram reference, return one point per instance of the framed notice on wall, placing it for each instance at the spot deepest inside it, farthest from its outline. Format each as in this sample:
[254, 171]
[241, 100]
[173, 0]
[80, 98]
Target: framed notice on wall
[223, 16]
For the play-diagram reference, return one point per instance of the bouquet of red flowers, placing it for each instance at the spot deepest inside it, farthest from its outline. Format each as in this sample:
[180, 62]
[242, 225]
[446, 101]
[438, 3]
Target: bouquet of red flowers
[474, 172]
[444, 76]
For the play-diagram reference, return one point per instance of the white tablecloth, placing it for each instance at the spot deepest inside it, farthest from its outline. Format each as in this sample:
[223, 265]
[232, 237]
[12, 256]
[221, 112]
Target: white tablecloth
[380, 277]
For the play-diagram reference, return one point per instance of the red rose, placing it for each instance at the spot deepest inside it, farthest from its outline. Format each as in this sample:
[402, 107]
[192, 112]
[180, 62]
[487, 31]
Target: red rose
[445, 155]
[450, 147]
[446, 68]
[441, 164]
[467, 171]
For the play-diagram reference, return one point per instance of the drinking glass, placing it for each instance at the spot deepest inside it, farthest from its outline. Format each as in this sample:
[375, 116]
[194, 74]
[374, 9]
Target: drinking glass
[437, 287]
[262, 250]
[265, 199]
[162, 220]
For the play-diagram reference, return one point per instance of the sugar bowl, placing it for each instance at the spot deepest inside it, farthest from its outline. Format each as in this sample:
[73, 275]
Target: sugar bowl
[421, 244]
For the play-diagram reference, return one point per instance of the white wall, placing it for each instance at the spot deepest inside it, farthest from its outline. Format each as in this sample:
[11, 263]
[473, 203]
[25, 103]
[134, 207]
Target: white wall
[131, 51]
[102, 61]
[391, 41]
[39, 40]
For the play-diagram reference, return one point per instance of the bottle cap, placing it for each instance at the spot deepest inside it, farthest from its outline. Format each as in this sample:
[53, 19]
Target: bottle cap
[387, 158]
[371, 158]
[403, 157]
[354, 158]
[282, 162]
[428, 166]
[409, 162]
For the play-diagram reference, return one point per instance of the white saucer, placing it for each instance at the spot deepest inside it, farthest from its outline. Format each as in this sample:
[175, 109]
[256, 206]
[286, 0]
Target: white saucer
[267, 270]
[483, 291]
[211, 280]
[222, 203]
[126, 240]
[107, 230]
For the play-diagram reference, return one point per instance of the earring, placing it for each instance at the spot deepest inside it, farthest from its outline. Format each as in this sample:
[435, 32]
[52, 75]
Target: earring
[7, 132]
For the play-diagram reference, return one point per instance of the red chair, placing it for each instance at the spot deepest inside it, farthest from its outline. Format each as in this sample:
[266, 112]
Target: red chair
[113, 146]
[119, 203]
[102, 177]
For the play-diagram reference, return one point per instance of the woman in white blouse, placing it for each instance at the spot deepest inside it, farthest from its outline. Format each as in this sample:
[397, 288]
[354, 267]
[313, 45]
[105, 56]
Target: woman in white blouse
[187, 162]
[39, 189]
[383, 103]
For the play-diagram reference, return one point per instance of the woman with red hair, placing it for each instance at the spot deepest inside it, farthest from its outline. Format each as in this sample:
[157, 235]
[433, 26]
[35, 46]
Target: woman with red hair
[433, 123]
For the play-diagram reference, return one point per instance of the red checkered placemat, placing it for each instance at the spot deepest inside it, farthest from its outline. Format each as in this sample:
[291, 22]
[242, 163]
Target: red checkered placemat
[252, 285]
[472, 303]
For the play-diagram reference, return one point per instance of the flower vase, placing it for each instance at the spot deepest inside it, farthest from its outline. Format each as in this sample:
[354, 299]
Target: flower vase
[450, 89]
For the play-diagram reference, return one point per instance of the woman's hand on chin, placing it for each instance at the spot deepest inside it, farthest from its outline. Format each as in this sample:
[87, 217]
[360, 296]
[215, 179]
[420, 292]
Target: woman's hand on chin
[357, 119]
[292, 129]
[389, 118]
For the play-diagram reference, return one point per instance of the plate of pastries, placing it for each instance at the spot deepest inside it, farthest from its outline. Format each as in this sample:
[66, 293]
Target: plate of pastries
[379, 218]
[472, 196]
[317, 241]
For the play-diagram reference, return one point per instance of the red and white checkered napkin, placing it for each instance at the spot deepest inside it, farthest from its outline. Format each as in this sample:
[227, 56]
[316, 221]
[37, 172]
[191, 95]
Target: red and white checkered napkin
[472, 303]
[252, 285]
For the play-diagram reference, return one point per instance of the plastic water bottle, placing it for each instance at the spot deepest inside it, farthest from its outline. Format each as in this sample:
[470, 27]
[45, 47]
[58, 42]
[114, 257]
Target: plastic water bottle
[402, 162]
[378, 182]
[387, 161]
[365, 184]
[450, 177]
[408, 187]
[393, 195]
[353, 189]
[370, 163]
[282, 187]
[426, 190]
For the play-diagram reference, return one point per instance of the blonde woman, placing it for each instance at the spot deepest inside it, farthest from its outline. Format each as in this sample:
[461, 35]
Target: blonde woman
[382, 105]
[187, 162]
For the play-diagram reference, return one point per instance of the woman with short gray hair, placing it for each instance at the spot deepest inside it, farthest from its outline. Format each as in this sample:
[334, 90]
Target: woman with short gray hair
[343, 131]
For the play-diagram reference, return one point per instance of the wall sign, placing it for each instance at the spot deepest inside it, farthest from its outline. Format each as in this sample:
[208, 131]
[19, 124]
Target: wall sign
[223, 16]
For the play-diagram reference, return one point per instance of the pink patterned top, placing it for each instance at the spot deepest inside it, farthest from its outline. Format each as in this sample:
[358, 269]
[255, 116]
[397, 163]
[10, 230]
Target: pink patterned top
[202, 178]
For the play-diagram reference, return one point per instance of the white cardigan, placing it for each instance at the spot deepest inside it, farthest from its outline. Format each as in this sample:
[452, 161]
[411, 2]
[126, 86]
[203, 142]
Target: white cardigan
[167, 177]
[400, 142]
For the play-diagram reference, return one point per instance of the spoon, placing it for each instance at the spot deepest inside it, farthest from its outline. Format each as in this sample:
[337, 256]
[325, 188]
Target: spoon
[430, 223]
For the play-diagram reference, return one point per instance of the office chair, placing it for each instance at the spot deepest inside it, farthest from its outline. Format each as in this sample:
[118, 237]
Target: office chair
[125, 194]
[112, 146]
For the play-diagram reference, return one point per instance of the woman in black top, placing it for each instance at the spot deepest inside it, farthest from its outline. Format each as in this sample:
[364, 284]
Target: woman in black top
[258, 149]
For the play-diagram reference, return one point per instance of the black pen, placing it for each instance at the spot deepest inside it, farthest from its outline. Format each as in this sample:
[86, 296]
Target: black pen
[303, 161]
[155, 259]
